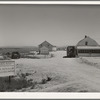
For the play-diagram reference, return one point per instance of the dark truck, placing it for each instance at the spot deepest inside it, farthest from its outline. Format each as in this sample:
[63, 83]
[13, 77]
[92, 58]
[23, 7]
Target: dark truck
[71, 52]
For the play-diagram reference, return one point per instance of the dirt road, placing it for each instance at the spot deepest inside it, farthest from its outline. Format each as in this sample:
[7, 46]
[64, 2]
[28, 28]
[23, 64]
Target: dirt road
[69, 74]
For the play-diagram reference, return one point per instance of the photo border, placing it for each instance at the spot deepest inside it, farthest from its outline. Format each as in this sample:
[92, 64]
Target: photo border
[53, 2]
[52, 95]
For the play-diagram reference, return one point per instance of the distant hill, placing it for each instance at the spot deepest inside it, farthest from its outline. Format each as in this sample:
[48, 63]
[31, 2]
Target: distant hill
[25, 49]
[61, 47]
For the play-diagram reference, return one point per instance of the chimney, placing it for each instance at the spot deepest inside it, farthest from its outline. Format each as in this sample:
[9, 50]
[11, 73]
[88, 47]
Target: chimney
[85, 36]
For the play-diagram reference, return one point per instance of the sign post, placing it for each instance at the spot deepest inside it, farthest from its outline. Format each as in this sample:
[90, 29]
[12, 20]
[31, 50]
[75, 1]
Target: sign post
[7, 68]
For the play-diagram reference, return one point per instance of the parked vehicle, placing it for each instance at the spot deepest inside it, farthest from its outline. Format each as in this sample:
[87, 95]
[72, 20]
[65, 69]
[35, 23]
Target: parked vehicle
[71, 51]
[15, 55]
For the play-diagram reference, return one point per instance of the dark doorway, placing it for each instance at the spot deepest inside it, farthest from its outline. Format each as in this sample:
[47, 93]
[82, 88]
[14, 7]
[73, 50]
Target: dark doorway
[86, 43]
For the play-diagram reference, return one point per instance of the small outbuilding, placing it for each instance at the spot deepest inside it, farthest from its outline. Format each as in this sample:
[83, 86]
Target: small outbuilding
[44, 50]
[47, 47]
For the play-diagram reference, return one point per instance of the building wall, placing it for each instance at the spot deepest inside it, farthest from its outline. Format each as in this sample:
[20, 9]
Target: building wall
[88, 51]
[89, 55]
[44, 51]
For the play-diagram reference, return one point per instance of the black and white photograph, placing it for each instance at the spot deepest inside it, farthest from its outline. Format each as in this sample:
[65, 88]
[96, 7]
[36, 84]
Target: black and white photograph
[49, 48]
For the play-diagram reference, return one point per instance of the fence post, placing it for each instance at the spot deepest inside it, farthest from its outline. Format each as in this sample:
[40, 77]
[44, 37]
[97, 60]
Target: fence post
[9, 79]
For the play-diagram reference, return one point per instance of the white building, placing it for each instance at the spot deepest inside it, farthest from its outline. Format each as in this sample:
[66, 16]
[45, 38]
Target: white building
[88, 47]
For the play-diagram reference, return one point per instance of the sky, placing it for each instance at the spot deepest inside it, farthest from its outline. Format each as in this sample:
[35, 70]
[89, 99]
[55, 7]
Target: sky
[61, 25]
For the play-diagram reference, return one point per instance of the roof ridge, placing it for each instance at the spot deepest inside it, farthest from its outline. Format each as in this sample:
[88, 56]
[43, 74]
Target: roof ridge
[87, 37]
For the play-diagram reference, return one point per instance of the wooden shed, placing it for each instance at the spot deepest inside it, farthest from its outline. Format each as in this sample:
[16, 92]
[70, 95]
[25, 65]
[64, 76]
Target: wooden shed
[44, 50]
[47, 45]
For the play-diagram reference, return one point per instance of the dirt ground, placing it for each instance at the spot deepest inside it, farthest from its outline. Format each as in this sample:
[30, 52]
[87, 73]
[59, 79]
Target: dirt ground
[66, 74]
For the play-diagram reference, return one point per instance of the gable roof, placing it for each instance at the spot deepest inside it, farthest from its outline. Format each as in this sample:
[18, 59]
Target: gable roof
[45, 42]
[91, 42]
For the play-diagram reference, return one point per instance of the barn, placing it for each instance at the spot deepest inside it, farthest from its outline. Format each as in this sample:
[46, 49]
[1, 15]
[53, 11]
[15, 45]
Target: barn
[88, 47]
[46, 45]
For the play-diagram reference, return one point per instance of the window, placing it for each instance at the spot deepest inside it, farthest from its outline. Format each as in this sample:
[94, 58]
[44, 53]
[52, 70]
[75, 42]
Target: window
[86, 43]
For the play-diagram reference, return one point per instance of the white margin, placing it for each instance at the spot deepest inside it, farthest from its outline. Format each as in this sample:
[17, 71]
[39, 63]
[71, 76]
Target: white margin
[52, 95]
[53, 2]
[48, 95]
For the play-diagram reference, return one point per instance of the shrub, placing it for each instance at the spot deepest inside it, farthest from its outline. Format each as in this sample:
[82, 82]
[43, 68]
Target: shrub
[23, 75]
[27, 74]
[52, 55]
[43, 81]
[83, 91]
[33, 85]
[49, 78]
[14, 84]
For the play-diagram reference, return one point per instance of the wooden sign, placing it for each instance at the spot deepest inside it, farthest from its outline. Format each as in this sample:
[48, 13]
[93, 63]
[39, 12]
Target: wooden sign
[7, 68]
